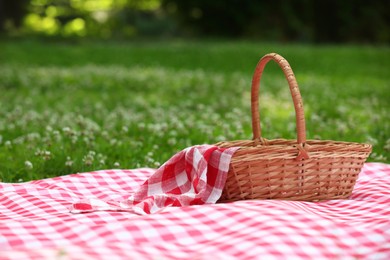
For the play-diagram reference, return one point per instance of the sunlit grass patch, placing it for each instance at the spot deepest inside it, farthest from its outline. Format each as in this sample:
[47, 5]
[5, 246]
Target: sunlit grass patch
[58, 118]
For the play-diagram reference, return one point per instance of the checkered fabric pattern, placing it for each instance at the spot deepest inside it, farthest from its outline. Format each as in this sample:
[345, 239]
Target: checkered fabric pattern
[194, 176]
[35, 223]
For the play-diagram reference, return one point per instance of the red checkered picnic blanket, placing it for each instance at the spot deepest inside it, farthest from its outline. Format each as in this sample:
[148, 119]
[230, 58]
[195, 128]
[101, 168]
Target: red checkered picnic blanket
[35, 223]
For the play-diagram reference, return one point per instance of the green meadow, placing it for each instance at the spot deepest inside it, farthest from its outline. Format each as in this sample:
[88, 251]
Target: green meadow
[75, 107]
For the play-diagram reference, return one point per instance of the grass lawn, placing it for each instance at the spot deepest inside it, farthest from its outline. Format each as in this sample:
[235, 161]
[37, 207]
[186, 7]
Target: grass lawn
[68, 108]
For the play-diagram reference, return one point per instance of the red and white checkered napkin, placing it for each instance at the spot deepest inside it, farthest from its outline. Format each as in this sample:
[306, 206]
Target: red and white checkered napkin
[194, 176]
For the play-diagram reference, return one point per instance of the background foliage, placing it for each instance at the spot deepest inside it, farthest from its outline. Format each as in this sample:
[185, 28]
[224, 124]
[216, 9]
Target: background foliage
[277, 20]
[299, 20]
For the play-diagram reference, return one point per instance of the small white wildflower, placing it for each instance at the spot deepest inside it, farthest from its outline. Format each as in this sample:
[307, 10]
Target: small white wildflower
[28, 165]
[47, 155]
[66, 130]
[86, 140]
[105, 134]
[113, 142]
[68, 162]
[220, 138]
[87, 161]
[8, 144]
[386, 147]
[342, 109]
[74, 139]
[33, 136]
[102, 159]
[378, 157]
[116, 164]
[20, 180]
[125, 129]
[57, 134]
[371, 140]
[316, 118]
[89, 158]
[19, 140]
[172, 141]
[157, 164]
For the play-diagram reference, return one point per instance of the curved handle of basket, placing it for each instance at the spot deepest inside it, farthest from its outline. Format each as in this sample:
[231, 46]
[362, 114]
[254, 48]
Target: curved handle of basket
[296, 96]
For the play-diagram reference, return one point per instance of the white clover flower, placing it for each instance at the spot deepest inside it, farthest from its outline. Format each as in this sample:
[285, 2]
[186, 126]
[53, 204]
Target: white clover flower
[113, 142]
[28, 165]
[19, 140]
[86, 140]
[33, 136]
[47, 155]
[74, 139]
[173, 133]
[68, 162]
[89, 158]
[125, 129]
[66, 130]
[141, 126]
[386, 147]
[371, 140]
[378, 157]
[105, 134]
[38, 152]
[342, 127]
[8, 144]
[172, 141]
[88, 161]
[116, 165]
[220, 138]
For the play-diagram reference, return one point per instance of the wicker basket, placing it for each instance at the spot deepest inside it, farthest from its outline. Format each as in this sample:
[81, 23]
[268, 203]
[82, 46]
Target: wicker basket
[301, 169]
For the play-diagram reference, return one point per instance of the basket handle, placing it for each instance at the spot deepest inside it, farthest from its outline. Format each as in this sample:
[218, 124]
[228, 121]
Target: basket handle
[296, 96]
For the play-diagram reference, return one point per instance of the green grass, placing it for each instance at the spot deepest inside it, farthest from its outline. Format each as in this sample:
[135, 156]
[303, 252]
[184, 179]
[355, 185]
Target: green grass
[68, 108]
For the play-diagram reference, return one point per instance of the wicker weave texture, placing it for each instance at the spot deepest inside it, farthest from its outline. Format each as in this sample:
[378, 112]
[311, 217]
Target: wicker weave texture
[300, 169]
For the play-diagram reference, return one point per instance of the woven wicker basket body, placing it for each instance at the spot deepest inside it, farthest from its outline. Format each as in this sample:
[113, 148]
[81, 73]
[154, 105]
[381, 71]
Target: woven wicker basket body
[301, 169]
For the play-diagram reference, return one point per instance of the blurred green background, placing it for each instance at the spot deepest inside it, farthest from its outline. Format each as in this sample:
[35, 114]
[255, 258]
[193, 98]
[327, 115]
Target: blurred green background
[100, 84]
[277, 20]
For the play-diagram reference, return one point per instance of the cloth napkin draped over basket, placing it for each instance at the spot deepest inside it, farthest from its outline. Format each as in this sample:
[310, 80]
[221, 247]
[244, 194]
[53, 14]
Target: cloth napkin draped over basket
[301, 169]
